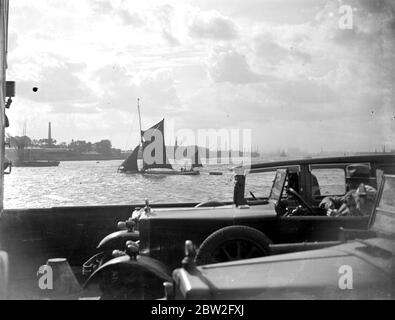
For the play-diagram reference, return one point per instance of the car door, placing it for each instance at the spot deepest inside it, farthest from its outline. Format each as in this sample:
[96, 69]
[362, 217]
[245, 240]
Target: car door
[316, 228]
[331, 180]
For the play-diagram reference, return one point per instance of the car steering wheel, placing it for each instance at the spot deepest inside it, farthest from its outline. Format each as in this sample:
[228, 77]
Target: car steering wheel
[301, 200]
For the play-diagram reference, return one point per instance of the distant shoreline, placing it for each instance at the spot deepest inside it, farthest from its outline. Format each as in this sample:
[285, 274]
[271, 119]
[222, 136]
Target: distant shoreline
[55, 155]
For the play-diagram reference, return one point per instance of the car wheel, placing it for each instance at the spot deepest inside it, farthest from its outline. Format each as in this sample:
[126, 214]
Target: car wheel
[231, 244]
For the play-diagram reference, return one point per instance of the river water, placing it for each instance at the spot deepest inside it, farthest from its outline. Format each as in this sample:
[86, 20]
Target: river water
[85, 183]
[90, 183]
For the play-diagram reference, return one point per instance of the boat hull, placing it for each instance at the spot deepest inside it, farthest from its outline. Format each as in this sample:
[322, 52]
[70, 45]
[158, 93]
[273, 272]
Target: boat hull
[39, 164]
[162, 172]
[174, 173]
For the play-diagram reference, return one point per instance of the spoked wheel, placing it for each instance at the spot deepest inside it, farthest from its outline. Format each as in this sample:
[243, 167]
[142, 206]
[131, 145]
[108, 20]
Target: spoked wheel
[236, 250]
[233, 243]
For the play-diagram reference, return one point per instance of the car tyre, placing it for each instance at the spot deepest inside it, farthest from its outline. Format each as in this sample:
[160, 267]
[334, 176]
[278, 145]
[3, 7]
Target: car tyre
[231, 244]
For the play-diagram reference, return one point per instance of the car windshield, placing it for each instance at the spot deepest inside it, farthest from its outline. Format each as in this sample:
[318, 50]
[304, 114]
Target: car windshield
[278, 185]
[259, 184]
[384, 221]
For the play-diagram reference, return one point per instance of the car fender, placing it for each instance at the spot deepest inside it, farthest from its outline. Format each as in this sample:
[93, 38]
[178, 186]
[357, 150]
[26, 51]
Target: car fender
[130, 265]
[117, 240]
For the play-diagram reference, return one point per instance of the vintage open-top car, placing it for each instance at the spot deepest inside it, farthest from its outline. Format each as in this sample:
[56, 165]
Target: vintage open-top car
[252, 227]
[360, 269]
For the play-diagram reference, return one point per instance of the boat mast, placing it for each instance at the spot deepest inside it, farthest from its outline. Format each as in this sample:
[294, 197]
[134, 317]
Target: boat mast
[141, 132]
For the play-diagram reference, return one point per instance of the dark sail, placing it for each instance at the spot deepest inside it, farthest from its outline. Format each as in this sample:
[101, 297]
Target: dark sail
[196, 163]
[130, 164]
[160, 160]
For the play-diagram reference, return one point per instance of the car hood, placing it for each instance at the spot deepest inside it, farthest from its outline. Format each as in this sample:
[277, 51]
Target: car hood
[314, 274]
[223, 212]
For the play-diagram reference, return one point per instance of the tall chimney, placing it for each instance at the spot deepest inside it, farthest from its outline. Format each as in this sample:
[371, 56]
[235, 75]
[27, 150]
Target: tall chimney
[49, 134]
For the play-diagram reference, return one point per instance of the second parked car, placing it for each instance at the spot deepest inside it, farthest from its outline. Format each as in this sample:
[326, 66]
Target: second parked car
[360, 269]
[254, 226]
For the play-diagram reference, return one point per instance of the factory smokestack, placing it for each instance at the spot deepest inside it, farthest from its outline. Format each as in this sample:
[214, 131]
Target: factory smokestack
[49, 134]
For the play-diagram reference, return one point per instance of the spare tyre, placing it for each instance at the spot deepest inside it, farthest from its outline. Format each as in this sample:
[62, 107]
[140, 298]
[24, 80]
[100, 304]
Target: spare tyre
[231, 244]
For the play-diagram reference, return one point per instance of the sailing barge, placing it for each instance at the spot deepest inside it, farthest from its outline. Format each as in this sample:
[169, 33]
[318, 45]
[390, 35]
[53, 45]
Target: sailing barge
[161, 167]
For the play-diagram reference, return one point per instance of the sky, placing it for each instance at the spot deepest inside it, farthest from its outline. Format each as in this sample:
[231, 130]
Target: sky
[285, 70]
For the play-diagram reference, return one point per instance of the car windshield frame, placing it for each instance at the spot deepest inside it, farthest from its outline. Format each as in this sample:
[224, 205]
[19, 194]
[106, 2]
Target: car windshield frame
[380, 212]
[278, 185]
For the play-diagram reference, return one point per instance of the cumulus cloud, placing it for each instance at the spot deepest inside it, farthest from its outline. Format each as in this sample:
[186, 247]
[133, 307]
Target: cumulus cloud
[212, 25]
[304, 91]
[164, 18]
[57, 85]
[74, 108]
[120, 12]
[169, 38]
[371, 20]
[118, 91]
[231, 66]
[271, 52]
[266, 48]
[271, 11]
[101, 6]
[128, 18]
[365, 52]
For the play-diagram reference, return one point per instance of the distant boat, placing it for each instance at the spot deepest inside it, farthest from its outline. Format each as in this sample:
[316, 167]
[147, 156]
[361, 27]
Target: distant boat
[196, 163]
[24, 155]
[24, 159]
[130, 165]
[7, 165]
[38, 164]
[283, 154]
